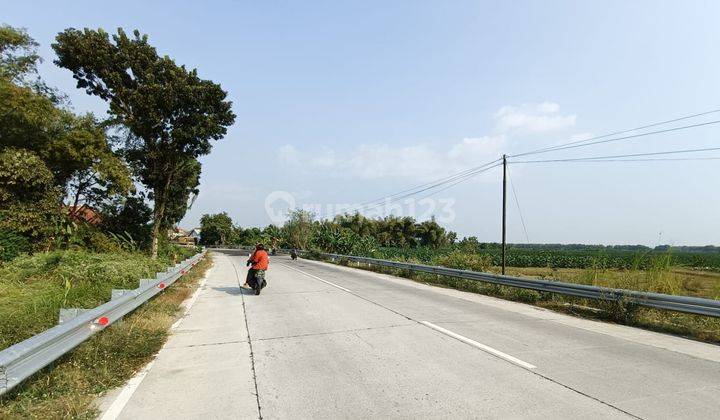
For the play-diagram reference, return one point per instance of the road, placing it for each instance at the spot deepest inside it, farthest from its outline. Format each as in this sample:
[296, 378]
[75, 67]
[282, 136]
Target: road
[324, 341]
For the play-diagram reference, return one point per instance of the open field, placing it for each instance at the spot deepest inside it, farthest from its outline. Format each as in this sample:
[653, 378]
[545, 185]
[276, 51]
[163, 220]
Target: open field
[671, 272]
[564, 256]
[679, 280]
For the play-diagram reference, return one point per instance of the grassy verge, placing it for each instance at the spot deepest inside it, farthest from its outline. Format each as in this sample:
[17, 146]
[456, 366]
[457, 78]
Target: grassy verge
[661, 278]
[672, 280]
[69, 387]
[34, 288]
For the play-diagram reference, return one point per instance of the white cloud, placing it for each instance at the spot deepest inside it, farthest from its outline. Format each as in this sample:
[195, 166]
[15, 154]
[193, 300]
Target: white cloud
[548, 107]
[288, 154]
[420, 162]
[325, 158]
[424, 162]
[532, 118]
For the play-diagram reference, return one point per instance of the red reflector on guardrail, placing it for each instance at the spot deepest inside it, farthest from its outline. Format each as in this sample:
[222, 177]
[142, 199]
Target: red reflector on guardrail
[102, 321]
[161, 285]
[182, 271]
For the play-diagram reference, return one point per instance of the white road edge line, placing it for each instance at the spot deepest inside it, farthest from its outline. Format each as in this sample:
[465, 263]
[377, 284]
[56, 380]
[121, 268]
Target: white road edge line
[317, 278]
[132, 385]
[480, 346]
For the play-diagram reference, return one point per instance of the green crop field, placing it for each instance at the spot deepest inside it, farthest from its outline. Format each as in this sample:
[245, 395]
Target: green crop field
[537, 256]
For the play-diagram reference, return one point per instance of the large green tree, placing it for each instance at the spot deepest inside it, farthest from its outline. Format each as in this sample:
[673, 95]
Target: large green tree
[216, 229]
[171, 114]
[19, 60]
[298, 228]
[74, 148]
[67, 143]
[48, 152]
[18, 54]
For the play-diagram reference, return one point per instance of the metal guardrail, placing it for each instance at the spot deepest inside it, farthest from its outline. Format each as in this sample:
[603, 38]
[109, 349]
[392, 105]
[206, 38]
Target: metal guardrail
[687, 304]
[23, 359]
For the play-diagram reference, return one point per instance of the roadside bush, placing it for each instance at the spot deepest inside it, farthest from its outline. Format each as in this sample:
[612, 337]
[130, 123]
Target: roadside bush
[99, 242]
[173, 253]
[621, 311]
[521, 295]
[28, 199]
[660, 278]
[12, 245]
[464, 261]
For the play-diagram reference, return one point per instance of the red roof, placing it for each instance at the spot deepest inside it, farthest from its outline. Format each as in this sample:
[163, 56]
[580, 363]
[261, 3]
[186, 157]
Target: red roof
[85, 214]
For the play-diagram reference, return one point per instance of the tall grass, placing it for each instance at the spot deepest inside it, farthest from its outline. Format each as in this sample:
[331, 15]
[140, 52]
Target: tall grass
[70, 386]
[34, 288]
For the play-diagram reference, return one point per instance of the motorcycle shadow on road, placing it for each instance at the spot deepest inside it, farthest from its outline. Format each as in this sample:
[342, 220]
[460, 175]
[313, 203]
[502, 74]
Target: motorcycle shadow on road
[234, 290]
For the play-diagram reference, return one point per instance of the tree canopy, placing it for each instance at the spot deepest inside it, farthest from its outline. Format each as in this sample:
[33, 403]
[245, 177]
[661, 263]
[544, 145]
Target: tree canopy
[346, 234]
[171, 114]
[216, 229]
[69, 155]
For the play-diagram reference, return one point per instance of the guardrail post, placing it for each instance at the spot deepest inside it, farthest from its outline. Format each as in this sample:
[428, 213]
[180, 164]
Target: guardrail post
[116, 293]
[145, 282]
[66, 314]
[3, 380]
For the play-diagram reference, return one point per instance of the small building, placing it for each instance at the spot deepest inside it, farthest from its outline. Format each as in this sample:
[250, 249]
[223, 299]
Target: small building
[180, 236]
[84, 213]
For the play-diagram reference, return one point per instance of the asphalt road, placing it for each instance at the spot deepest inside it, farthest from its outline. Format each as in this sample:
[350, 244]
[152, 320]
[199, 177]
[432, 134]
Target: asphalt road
[324, 341]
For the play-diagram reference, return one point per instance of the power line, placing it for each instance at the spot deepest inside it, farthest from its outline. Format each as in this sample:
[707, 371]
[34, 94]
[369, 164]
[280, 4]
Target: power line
[451, 184]
[616, 133]
[416, 190]
[460, 181]
[635, 160]
[602, 158]
[449, 178]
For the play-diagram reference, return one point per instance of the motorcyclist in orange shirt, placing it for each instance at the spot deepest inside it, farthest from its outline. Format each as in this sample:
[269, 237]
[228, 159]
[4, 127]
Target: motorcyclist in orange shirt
[259, 261]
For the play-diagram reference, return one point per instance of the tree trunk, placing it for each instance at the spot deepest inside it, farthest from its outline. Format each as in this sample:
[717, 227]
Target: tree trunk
[158, 212]
[76, 201]
[157, 218]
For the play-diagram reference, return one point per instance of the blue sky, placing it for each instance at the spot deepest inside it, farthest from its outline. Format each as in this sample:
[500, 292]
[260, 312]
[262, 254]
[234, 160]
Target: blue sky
[345, 102]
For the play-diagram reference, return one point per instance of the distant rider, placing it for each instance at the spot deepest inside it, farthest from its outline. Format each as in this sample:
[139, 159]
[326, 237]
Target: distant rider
[256, 274]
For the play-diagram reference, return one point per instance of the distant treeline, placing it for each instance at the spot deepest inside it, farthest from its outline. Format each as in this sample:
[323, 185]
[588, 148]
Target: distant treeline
[427, 242]
[345, 234]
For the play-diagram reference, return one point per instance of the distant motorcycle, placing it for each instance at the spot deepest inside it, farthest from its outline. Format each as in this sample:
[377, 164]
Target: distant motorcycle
[293, 255]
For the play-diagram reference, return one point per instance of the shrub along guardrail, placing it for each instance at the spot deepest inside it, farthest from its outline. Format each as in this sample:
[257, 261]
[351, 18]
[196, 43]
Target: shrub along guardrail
[685, 304]
[23, 359]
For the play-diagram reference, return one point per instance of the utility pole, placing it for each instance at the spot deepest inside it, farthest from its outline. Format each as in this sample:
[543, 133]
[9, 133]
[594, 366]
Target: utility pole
[504, 211]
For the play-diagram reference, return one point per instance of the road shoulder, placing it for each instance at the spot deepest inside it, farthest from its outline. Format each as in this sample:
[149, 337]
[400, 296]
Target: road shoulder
[676, 344]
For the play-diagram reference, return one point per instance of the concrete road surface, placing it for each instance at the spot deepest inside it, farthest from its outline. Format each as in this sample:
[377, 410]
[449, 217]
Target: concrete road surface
[324, 341]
